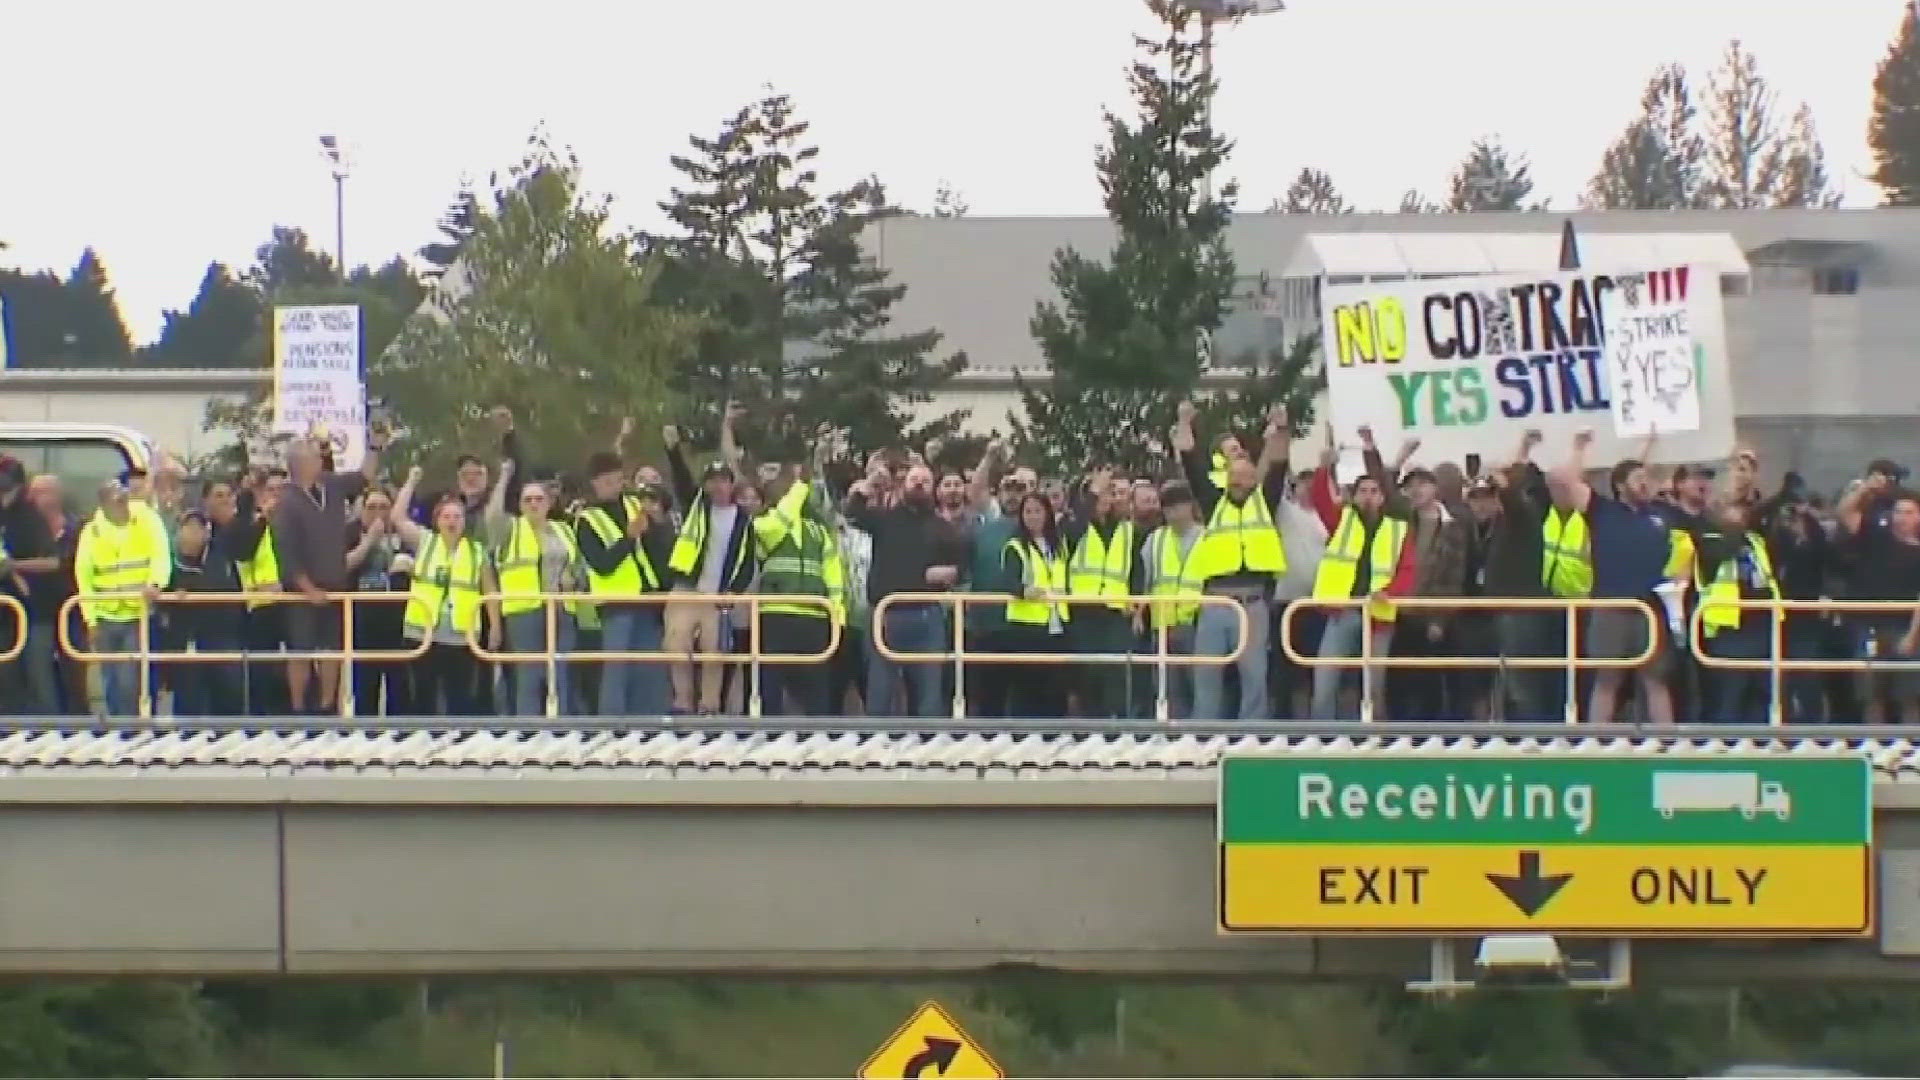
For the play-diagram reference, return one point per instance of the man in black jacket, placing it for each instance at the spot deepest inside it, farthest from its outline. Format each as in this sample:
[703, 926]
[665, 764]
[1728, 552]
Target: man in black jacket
[914, 551]
[1512, 568]
[202, 565]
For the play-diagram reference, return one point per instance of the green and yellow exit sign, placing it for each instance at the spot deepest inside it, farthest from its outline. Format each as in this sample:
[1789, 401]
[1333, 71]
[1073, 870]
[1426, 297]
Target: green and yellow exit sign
[1616, 846]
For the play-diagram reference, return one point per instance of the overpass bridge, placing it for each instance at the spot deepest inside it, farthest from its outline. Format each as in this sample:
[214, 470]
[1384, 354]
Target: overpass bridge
[311, 848]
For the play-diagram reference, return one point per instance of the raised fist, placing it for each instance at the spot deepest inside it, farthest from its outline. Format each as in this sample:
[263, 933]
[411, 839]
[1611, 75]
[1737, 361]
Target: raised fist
[670, 436]
[1184, 412]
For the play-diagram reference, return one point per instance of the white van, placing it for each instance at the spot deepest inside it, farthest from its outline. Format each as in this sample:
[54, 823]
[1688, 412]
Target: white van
[81, 455]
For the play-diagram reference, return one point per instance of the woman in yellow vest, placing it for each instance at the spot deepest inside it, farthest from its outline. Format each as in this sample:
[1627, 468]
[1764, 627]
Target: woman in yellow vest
[1037, 622]
[451, 573]
[534, 554]
[1730, 566]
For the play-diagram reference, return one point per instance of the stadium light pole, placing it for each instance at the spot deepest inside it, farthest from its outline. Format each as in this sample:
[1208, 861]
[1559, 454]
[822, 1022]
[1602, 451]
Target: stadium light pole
[1210, 12]
[336, 156]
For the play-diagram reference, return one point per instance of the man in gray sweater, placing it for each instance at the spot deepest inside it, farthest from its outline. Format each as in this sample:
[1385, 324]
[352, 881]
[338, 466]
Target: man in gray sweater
[310, 544]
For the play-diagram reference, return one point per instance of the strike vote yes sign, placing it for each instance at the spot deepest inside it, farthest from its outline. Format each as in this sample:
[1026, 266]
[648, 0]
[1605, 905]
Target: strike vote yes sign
[1468, 364]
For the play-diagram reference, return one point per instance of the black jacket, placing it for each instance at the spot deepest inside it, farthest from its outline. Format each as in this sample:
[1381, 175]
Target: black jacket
[739, 574]
[906, 541]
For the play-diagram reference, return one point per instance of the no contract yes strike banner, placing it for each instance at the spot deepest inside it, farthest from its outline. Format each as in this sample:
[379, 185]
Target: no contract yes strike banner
[1468, 364]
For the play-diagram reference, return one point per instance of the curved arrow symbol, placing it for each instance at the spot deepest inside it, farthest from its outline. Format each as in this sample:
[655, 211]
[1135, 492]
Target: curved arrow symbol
[938, 1055]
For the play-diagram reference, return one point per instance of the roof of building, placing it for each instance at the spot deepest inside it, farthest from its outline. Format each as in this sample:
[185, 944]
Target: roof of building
[1449, 254]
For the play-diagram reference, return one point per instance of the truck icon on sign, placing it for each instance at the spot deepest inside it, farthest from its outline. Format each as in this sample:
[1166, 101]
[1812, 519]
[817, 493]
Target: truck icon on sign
[1708, 792]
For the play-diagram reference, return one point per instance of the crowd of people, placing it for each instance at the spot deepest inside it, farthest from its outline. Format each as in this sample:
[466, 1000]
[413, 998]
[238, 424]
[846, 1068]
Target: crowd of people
[459, 583]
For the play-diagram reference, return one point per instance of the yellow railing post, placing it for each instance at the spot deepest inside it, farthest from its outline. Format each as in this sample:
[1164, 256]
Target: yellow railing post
[960, 654]
[1777, 663]
[19, 646]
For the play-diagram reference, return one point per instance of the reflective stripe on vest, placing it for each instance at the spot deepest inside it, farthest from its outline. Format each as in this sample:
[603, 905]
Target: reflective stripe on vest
[1100, 567]
[122, 562]
[522, 559]
[806, 562]
[1038, 572]
[460, 591]
[690, 547]
[1566, 554]
[1171, 576]
[1240, 539]
[1719, 607]
[635, 575]
[1341, 561]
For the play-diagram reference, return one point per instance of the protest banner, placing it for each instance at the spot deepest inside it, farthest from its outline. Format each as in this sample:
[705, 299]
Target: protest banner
[1468, 364]
[319, 383]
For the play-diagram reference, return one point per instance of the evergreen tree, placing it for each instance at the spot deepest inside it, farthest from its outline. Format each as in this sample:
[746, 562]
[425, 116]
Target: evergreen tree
[1656, 162]
[456, 228]
[1490, 180]
[1753, 160]
[1130, 337]
[1412, 202]
[1312, 192]
[39, 332]
[289, 261]
[216, 330]
[99, 336]
[949, 203]
[797, 317]
[1894, 131]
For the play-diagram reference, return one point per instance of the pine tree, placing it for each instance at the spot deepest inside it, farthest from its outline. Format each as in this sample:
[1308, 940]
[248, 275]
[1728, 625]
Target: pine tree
[96, 334]
[1412, 202]
[797, 315]
[288, 261]
[1753, 160]
[948, 202]
[456, 228]
[1312, 192]
[1894, 131]
[1656, 162]
[1491, 181]
[39, 332]
[217, 328]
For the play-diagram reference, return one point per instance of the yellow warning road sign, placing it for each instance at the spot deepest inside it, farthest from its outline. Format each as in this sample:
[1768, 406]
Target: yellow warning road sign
[930, 1046]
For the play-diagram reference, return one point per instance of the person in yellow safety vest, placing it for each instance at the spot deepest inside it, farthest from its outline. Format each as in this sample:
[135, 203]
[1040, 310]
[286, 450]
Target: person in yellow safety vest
[535, 554]
[119, 562]
[712, 555]
[1733, 564]
[1240, 557]
[266, 626]
[1566, 554]
[1363, 553]
[799, 556]
[625, 541]
[1105, 562]
[1034, 564]
[452, 580]
[1226, 451]
[1168, 556]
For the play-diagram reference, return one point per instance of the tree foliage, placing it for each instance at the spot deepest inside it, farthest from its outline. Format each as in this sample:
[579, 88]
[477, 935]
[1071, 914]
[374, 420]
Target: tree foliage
[1894, 131]
[1755, 157]
[1312, 192]
[70, 322]
[1491, 180]
[1657, 162]
[555, 320]
[948, 202]
[796, 317]
[1130, 338]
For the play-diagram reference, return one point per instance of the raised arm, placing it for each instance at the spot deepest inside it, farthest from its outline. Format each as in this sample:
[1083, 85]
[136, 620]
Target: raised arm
[498, 524]
[980, 483]
[1192, 462]
[1275, 448]
[1568, 483]
[684, 489]
[399, 517]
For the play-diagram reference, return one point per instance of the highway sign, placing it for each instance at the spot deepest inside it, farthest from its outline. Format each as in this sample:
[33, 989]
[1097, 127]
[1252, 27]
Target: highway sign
[1755, 845]
[930, 1046]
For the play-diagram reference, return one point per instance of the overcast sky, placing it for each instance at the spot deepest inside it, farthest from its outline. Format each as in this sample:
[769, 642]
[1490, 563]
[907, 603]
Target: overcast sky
[167, 135]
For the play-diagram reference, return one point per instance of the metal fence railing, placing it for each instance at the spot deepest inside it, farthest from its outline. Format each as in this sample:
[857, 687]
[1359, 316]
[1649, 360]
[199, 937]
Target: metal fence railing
[17, 620]
[1777, 663]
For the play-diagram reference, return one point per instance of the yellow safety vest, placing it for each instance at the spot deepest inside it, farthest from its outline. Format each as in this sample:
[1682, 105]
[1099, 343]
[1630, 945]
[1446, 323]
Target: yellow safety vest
[635, 575]
[1173, 577]
[690, 547]
[1566, 554]
[1099, 568]
[519, 562]
[1240, 539]
[1719, 608]
[799, 557]
[1680, 552]
[1219, 473]
[1038, 572]
[441, 584]
[117, 559]
[1335, 578]
[262, 572]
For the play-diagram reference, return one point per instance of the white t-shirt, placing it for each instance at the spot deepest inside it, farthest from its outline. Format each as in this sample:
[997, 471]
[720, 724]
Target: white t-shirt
[713, 569]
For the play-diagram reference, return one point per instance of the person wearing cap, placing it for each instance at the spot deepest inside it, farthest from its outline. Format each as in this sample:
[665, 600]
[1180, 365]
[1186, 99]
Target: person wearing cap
[1367, 558]
[625, 543]
[1732, 565]
[799, 557]
[119, 569]
[1437, 543]
[713, 555]
[1167, 557]
[1240, 557]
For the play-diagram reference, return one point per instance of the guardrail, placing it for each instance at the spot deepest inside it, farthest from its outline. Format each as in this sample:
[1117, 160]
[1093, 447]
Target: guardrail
[144, 656]
[1572, 663]
[1777, 663]
[754, 657]
[19, 622]
[1162, 657]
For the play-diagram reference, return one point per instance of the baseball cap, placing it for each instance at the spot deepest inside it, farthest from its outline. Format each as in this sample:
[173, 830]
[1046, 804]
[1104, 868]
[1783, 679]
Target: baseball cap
[1482, 485]
[717, 468]
[1418, 474]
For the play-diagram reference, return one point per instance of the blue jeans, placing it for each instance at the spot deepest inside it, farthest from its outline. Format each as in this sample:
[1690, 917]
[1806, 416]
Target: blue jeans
[210, 689]
[119, 679]
[913, 629]
[632, 687]
[39, 669]
[1341, 640]
[1216, 630]
[527, 633]
[1739, 695]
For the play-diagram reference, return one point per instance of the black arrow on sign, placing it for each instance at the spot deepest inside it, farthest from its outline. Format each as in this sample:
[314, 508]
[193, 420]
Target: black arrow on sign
[1530, 890]
[939, 1055]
